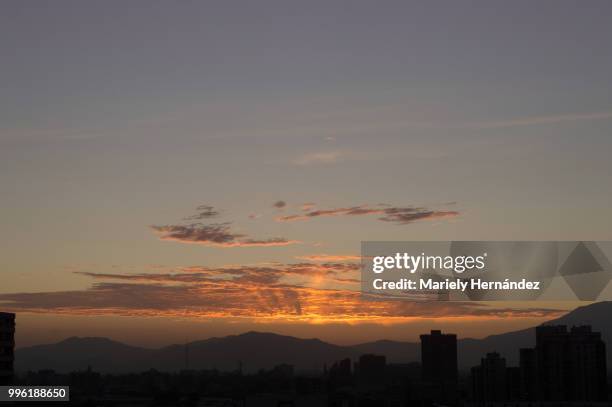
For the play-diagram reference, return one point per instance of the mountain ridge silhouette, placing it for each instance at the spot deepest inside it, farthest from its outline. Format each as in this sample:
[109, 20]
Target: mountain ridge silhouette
[254, 350]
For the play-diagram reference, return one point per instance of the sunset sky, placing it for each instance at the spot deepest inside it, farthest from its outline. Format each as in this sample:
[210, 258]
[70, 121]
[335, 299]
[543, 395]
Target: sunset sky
[172, 171]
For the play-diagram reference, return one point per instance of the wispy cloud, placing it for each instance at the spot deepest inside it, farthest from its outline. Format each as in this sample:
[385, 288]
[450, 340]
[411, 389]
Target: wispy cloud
[537, 120]
[204, 212]
[258, 293]
[330, 257]
[308, 206]
[257, 274]
[399, 215]
[323, 157]
[404, 216]
[217, 234]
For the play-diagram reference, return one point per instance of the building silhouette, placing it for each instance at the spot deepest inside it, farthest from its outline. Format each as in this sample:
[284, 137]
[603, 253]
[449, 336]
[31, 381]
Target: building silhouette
[7, 347]
[489, 379]
[571, 365]
[529, 374]
[341, 369]
[439, 362]
[564, 366]
[513, 383]
[371, 368]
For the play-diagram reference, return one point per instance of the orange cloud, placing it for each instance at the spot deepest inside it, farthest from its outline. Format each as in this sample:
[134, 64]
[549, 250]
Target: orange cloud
[256, 274]
[257, 293]
[308, 206]
[330, 257]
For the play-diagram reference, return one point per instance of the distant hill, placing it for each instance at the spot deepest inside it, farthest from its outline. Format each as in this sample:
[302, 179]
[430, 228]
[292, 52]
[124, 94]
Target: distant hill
[255, 350]
[78, 353]
[598, 315]
[252, 350]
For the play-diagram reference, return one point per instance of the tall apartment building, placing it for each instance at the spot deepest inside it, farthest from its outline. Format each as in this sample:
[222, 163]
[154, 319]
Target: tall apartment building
[489, 379]
[529, 374]
[7, 347]
[439, 361]
[571, 365]
[371, 368]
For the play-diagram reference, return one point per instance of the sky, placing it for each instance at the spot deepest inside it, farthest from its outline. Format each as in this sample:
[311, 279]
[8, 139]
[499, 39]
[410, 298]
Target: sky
[174, 171]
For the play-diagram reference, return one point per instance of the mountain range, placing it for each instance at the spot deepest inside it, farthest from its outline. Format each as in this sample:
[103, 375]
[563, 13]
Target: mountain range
[255, 350]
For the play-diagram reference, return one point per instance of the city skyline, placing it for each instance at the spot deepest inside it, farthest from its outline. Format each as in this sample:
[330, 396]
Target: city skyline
[564, 366]
[178, 172]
